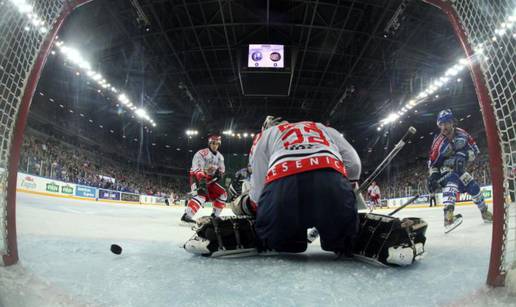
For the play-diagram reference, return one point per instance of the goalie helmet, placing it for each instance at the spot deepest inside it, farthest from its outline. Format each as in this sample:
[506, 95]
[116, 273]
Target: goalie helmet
[445, 116]
[215, 139]
[271, 121]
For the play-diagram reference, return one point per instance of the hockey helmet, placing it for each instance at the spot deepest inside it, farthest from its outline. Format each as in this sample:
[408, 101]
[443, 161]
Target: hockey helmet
[215, 139]
[445, 116]
[271, 121]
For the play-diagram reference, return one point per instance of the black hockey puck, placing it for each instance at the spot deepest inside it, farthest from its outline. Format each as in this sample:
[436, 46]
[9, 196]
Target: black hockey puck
[116, 249]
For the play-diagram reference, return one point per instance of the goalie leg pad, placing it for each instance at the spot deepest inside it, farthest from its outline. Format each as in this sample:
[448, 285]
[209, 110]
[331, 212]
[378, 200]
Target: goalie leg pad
[223, 236]
[389, 240]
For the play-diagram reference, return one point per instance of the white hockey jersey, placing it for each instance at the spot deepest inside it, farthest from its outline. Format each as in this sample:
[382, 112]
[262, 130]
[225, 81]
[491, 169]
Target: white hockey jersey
[292, 148]
[373, 190]
[206, 162]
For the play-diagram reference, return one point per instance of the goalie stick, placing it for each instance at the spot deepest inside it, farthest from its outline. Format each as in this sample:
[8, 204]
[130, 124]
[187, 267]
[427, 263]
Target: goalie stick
[397, 148]
[410, 201]
[193, 193]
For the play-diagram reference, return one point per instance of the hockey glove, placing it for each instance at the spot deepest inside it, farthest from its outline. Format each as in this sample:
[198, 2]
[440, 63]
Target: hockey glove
[202, 186]
[433, 182]
[217, 176]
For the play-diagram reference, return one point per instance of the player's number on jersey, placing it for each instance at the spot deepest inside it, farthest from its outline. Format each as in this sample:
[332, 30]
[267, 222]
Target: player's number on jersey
[303, 133]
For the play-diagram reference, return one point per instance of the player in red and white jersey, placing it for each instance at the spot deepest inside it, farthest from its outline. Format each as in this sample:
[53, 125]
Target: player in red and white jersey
[207, 169]
[300, 179]
[374, 195]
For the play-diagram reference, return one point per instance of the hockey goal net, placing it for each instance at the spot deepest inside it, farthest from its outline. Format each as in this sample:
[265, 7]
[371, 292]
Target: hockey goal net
[27, 31]
[24, 47]
[486, 31]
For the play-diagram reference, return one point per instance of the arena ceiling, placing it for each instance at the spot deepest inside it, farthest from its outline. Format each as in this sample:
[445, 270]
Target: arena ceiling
[356, 62]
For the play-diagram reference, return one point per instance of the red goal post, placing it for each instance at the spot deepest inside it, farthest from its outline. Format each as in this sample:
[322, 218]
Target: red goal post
[487, 28]
[27, 32]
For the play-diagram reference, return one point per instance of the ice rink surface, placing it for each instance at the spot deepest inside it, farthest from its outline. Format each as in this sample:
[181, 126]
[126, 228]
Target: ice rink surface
[65, 261]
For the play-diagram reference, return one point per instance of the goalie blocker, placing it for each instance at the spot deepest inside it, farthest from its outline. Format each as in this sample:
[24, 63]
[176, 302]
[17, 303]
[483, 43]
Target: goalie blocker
[382, 239]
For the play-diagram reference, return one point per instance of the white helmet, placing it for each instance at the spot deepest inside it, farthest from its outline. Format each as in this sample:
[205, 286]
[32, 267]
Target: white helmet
[214, 139]
[271, 121]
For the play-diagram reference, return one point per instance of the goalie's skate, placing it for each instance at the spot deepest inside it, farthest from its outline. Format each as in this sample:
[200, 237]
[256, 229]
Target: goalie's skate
[451, 224]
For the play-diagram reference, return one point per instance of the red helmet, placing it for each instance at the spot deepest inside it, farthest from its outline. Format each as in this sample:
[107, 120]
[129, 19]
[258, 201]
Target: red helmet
[215, 139]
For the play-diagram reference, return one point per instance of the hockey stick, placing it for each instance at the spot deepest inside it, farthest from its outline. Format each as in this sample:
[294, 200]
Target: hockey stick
[410, 201]
[399, 146]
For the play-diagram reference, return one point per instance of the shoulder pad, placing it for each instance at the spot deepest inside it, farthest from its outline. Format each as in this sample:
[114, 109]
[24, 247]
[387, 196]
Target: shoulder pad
[462, 132]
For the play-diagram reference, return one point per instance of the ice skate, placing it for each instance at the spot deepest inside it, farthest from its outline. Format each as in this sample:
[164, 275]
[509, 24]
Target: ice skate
[187, 221]
[451, 221]
[487, 216]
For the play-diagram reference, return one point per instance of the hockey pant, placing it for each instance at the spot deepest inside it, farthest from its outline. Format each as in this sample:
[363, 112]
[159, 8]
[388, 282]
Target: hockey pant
[321, 198]
[461, 184]
[381, 239]
[216, 194]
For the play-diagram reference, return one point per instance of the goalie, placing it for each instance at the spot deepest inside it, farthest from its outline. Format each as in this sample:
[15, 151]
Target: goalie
[301, 178]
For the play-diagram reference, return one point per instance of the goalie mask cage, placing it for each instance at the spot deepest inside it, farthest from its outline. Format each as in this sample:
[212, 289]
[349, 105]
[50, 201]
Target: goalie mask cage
[24, 49]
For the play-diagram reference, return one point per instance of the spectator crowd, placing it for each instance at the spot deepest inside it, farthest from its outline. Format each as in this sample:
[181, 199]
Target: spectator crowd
[50, 157]
[412, 178]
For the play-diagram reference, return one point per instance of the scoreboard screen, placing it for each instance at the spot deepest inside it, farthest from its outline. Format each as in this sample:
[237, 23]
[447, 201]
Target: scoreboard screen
[266, 56]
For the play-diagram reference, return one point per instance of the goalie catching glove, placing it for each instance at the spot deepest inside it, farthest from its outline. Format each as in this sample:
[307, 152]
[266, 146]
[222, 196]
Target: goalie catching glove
[381, 239]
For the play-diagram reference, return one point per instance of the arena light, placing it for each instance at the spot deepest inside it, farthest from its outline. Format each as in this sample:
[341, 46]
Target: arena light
[238, 134]
[505, 28]
[74, 57]
[464, 62]
[123, 99]
[142, 113]
[391, 118]
[23, 6]
[96, 77]
[191, 132]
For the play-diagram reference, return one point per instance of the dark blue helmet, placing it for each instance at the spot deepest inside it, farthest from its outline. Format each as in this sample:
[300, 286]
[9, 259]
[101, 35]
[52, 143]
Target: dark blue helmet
[445, 116]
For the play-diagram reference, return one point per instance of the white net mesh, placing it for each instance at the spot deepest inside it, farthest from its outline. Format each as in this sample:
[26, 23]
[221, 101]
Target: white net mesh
[490, 28]
[23, 27]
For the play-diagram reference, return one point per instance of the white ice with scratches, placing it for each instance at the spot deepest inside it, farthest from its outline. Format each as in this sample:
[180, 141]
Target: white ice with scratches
[65, 261]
